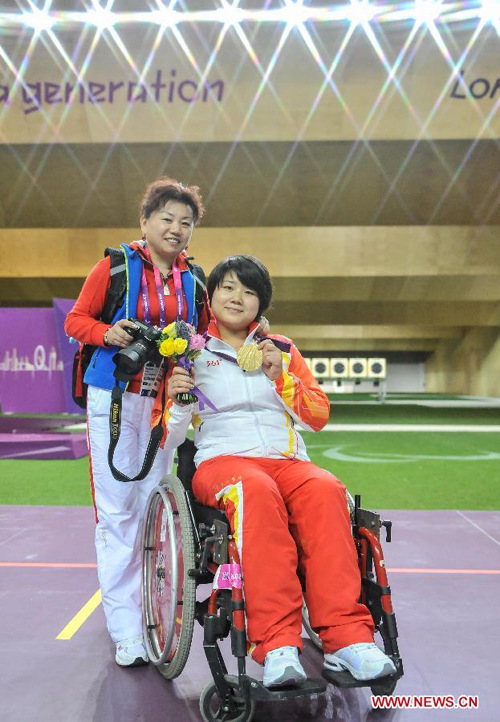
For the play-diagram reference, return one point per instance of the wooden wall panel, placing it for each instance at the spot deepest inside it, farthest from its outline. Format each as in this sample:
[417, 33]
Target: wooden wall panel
[366, 252]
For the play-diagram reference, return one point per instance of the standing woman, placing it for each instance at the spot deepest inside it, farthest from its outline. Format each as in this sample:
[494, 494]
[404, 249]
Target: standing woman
[160, 288]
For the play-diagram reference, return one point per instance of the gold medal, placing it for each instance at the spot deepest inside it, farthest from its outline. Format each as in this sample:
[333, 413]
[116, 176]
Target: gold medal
[249, 357]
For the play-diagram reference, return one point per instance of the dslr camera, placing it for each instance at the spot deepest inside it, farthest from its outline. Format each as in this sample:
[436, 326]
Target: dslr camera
[130, 360]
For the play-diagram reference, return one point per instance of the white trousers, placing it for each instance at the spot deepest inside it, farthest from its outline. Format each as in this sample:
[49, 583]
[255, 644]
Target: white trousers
[120, 505]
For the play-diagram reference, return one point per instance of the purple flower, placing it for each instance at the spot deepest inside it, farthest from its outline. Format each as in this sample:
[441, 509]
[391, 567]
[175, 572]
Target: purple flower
[196, 342]
[183, 330]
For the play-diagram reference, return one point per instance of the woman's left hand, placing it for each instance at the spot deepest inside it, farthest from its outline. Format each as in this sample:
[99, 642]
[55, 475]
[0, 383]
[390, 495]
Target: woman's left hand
[272, 362]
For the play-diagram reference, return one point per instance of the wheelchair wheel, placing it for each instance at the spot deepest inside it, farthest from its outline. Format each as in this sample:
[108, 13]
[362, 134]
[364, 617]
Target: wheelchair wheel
[168, 592]
[211, 705]
[307, 626]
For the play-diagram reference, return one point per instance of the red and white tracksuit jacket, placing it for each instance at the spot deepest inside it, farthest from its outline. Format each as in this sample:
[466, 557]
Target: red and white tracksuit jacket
[285, 512]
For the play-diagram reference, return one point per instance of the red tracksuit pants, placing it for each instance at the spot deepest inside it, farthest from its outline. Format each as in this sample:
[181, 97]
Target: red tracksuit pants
[287, 515]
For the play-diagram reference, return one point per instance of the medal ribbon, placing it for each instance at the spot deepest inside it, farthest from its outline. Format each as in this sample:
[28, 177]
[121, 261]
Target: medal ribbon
[223, 355]
[202, 399]
[282, 345]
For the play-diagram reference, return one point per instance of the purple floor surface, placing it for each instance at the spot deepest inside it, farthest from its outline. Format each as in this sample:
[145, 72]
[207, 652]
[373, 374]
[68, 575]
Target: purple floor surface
[43, 446]
[10, 423]
[448, 628]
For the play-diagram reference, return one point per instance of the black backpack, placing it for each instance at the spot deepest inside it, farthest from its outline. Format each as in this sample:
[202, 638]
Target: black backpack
[114, 297]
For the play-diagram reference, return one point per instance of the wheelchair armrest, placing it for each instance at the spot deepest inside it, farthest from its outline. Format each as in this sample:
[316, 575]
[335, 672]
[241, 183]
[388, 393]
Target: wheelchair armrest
[207, 514]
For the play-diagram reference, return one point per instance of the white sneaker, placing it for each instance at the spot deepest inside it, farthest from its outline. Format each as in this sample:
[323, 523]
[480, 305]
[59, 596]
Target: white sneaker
[131, 652]
[362, 660]
[282, 667]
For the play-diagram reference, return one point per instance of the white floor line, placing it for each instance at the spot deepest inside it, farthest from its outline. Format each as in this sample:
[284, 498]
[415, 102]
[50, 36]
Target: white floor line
[414, 427]
[478, 527]
[75, 427]
[13, 536]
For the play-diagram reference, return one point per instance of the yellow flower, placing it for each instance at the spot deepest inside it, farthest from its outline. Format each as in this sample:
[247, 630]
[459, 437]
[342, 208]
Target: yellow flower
[167, 347]
[180, 345]
[170, 329]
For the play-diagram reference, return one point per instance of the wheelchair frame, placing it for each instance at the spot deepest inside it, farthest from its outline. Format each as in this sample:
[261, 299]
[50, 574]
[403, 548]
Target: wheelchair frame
[191, 542]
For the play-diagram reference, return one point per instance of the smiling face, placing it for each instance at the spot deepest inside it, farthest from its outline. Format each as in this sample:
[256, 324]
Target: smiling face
[234, 305]
[168, 231]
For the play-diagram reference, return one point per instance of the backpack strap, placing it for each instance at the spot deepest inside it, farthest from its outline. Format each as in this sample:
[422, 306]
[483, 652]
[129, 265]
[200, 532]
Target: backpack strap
[114, 296]
[201, 297]
[118, 285]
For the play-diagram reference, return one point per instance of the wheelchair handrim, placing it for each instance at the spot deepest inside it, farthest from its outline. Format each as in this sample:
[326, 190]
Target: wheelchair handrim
[159, 652]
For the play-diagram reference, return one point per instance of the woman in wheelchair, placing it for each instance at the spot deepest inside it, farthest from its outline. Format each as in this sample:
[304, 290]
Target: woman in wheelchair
[289, 518]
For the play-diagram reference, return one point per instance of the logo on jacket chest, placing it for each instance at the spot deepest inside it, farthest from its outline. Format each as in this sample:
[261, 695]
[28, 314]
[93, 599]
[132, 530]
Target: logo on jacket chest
[213, 362]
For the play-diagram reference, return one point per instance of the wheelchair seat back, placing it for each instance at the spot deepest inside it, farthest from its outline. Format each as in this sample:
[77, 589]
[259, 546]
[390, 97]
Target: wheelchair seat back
[185, 471]
[185, 464]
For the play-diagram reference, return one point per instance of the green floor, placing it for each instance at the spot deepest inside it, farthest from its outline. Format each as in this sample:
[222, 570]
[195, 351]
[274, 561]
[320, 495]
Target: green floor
[362, 413]
[406, 470]
[398, 470]
[46, 482]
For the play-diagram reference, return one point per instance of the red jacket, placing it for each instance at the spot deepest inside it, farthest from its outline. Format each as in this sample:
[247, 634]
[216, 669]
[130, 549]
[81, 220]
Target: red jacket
[83, 321]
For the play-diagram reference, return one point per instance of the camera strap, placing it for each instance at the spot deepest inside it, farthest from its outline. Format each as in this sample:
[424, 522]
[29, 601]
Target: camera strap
[115, 419]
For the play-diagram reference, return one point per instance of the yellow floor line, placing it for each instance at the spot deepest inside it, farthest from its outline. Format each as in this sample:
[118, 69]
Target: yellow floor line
[74, 625]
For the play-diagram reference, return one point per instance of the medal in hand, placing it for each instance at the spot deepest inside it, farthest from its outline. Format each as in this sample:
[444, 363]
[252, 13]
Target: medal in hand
[249, 357]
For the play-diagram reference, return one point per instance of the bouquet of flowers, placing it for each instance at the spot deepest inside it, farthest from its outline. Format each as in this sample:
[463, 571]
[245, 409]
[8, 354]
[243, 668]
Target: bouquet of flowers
[180, 343]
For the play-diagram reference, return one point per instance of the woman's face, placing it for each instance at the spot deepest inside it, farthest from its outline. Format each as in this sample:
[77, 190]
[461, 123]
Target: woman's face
[168, 230]
[234, 305]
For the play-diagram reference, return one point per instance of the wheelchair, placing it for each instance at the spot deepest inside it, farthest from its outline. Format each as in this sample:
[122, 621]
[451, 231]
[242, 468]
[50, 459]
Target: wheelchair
[186, 544]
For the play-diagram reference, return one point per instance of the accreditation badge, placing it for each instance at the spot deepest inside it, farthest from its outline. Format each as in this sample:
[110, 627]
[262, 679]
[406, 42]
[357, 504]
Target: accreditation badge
[152, 375]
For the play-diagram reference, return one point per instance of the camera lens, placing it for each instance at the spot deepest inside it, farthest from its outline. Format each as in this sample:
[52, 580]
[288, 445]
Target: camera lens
[130, 360]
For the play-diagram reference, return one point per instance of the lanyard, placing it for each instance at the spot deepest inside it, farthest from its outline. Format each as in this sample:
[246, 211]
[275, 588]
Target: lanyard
[160, 292]
[145, 299]
[178, 290]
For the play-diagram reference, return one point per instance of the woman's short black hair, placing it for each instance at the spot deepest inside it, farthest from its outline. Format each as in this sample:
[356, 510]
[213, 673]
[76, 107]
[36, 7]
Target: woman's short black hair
[250, 272]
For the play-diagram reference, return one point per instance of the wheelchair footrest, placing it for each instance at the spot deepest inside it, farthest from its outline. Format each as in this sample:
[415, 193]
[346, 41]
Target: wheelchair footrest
[277, 694]
[345, 679]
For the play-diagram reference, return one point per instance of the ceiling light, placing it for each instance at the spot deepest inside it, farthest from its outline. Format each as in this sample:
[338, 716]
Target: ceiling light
[426, 11]
[38, 20]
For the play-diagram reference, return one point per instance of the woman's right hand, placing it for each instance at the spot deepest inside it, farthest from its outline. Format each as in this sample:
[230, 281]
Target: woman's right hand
[180, 382]
[117, 336]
